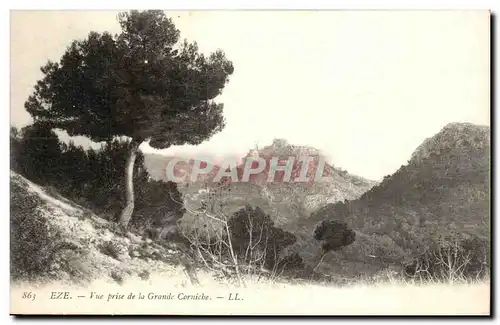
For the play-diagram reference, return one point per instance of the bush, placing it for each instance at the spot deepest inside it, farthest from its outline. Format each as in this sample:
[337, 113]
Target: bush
[452, 259]
[37, 153]
[334, 235]
[32, 242]
[292, 265]
[112, 249]
[255, 239]
[159, 207]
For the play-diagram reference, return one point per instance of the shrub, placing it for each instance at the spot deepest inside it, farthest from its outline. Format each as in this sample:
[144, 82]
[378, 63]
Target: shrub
[33, 244]
[334, 235]
[292, 264]
[452, 259]
[159, 207]
[255, 239]
[112, 249]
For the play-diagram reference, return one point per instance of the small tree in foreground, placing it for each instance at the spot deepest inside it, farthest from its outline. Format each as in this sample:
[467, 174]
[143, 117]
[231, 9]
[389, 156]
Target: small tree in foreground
[334, 235]
[142, 83]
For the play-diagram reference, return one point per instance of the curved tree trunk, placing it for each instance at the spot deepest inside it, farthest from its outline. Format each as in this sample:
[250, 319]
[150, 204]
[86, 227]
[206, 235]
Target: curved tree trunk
[126, 213]
[321, 257]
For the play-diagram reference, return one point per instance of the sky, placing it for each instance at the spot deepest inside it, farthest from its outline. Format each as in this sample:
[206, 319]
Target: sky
[364, 87]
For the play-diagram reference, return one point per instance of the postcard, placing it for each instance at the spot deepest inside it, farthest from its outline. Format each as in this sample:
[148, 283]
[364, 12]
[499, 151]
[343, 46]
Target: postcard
[250, 162]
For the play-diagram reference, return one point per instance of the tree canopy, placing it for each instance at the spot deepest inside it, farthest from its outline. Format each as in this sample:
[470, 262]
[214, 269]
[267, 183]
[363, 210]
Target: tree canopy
[142, 83]
[334, 235]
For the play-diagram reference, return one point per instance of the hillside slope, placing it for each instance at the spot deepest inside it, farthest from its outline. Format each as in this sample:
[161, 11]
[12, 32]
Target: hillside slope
[443, 191]
[54, 239]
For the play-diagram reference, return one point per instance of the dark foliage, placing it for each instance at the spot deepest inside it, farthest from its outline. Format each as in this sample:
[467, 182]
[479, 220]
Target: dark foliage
[134, 84]
[334, 235]
[32, 242]
[95, 178]
[159, 207]
[292, 264]
[253, 231]
[15, 146]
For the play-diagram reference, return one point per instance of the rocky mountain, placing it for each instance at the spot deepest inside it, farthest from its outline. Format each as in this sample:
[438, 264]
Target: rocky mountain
[291, 201]
[454, 136]
[287, 202]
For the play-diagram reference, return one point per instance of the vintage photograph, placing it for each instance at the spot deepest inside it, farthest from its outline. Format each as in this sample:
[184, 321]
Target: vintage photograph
[250, 162]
